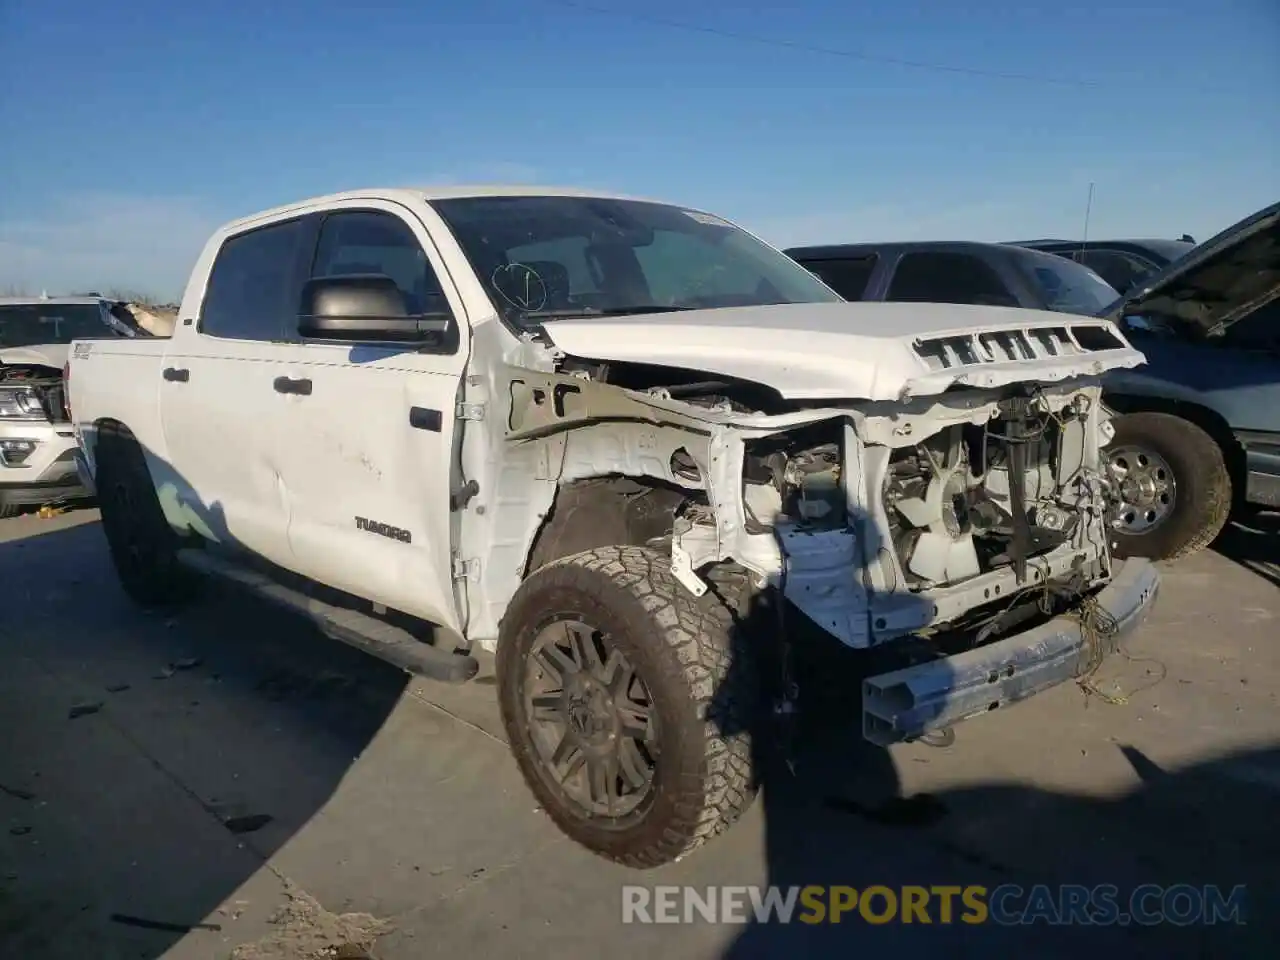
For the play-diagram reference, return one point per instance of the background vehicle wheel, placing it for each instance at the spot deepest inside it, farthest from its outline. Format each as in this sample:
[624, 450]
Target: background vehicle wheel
[1173, 484]
[143, 546]
[629, 704]
[8, 510]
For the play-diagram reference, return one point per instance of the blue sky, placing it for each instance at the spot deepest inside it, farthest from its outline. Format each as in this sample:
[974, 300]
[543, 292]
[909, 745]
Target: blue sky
[132, 129]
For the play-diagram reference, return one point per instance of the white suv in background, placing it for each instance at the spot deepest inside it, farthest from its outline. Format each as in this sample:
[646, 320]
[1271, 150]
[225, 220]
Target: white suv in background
[37, 443]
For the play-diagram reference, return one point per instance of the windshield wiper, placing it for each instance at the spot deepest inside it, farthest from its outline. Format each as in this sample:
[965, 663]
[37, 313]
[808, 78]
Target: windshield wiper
[558, 314]
[642, 308]
[583, 312]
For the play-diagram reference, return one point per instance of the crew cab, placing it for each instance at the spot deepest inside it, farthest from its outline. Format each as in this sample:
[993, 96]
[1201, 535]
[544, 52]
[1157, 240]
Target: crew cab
[633, 451]
[37, 444]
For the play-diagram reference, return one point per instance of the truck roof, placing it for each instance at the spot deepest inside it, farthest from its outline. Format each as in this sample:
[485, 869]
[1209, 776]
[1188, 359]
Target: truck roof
[428, 193]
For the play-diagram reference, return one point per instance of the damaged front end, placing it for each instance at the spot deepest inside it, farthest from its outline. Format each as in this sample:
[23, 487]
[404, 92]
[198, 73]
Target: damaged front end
[965, 527]
[935, 514]
[37, 443]
[35, 391]
[973, 524]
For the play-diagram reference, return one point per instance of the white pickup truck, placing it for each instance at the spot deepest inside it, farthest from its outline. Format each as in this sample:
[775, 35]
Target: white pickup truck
[603, 437]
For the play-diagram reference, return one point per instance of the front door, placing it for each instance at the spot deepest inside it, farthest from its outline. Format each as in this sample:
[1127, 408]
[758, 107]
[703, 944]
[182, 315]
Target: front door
[367, 445]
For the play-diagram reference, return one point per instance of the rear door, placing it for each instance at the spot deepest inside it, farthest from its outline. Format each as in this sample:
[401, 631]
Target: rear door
[219, 411]
[367, 448]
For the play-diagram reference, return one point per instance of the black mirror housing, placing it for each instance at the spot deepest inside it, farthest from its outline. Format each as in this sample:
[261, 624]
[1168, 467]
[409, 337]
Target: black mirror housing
[363, 307]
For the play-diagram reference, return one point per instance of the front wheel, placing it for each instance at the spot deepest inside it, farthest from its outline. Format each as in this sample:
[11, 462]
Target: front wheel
[1173, 487]
[629, 703]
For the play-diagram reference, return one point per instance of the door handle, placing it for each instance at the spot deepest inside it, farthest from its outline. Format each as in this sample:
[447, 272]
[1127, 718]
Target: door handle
[421, 418]
[177, 375]
[289, 385]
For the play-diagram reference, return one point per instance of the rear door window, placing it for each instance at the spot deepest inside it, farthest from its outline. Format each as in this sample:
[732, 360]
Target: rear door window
[255, 284]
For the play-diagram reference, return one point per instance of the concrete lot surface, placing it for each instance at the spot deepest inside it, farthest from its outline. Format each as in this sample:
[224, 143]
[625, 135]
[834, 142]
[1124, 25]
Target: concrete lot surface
[229, 780]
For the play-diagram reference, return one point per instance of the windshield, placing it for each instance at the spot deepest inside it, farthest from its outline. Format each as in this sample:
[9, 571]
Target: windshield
[34, 324]
[546, 257]
[1067, 286]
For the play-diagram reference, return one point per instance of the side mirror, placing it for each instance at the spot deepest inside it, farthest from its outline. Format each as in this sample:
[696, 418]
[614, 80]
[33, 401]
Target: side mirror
[363, 307]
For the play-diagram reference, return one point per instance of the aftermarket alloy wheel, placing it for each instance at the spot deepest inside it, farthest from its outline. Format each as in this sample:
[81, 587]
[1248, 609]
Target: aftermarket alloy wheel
[142, 544]
[629, 703]
[1172, 486]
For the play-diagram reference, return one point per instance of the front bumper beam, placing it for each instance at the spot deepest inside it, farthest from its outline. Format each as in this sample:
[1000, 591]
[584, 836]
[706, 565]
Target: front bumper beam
[908, 703]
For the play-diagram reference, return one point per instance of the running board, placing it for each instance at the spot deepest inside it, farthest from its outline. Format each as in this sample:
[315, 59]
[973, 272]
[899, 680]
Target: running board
[377, 637]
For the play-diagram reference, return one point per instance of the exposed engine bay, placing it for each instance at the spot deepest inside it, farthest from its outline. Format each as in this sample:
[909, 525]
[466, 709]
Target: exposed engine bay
[45, 385]
[1009, 497]
[974, 498]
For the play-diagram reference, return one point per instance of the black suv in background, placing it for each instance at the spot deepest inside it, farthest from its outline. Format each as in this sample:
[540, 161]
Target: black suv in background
[1122, 263]
[1199, 427]
[958, 271]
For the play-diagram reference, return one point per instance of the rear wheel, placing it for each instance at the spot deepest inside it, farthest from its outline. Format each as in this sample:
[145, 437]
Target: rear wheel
[1173, 484]
[628, 703]
[143, 546]
[9, 510]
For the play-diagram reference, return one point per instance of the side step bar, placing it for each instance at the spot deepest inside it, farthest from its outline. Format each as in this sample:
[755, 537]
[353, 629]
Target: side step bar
[377, 637]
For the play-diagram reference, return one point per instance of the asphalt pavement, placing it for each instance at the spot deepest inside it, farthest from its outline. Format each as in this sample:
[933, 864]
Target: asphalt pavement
[227, 782]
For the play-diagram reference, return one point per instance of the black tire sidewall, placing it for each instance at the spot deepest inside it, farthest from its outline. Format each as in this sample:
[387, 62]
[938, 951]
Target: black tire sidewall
[564, 591]
[157, 580]
[1202, 485]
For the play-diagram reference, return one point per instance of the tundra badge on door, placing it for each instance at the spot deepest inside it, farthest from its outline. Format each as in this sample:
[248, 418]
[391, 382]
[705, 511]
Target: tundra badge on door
[384, 530]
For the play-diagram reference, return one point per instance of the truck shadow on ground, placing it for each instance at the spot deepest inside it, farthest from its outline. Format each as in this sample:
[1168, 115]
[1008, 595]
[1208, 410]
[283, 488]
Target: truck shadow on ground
[153, 763]
[1254, 543]
[843, 818]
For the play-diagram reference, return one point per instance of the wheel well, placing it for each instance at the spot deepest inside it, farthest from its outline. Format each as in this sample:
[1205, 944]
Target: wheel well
[103, 423]
[603, 512]
[1207, 420]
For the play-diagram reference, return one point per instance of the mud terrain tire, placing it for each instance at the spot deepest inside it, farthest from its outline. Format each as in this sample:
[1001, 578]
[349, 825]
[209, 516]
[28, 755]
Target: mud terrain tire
[1201, 482]
[700, 681]
[142, 544]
